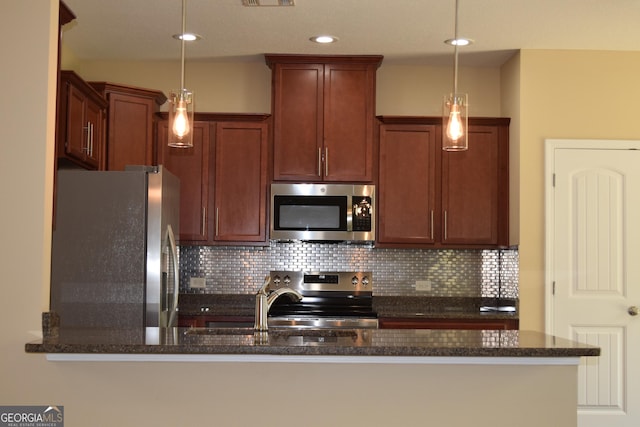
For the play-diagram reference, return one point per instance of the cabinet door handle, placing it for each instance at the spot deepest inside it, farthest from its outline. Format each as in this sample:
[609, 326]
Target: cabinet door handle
[326, 161]
[431, 224]
[319, 161]
[91, 139]
[87, 144]
[217, 221]
[204, 221]
[445, 225]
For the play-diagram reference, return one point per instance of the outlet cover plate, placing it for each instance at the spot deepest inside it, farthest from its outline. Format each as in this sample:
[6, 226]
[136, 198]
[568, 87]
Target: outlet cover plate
[197, 282]
[423, 285]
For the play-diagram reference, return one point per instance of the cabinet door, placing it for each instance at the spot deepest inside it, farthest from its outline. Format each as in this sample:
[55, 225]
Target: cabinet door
[76, 127]
[191, 166]
[407, 184]
[84, 129]
[130, 131]
[95, 122]
[240, 192]
[348, 122]
[297, 112]
[470, 185]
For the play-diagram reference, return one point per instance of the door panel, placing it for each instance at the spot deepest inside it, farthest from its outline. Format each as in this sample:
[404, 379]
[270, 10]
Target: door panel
[470, 181]
[191, 166]
[75, 144]
[601, 380]
[348, 122]
[94, 143]
[594, 243]
[406, 202]
[240, 193]
[130, 131]
[297, 112]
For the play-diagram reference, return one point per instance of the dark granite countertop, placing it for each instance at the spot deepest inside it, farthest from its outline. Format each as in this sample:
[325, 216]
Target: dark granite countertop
[315, 342]
[385, 306]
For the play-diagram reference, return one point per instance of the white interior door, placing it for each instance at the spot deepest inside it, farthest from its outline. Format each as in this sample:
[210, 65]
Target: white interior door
[593, 270]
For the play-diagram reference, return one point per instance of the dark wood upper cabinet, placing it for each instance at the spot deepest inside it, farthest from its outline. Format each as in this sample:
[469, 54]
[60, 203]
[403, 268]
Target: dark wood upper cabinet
[223, 179]
[323, 117]
[130, 124]
[240, 183]
[191, 166]
[432, 198]
[407, 189]
[80, 128]
[471, 190]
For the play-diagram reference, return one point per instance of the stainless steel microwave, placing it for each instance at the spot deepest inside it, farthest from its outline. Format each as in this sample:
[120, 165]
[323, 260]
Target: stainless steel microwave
[323, 212]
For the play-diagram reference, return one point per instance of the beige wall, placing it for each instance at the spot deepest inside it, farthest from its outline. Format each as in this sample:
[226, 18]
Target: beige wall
[26, 171]
[26, 168]
[417, 90]
[510, 107]
[564, 94]
[245, 87]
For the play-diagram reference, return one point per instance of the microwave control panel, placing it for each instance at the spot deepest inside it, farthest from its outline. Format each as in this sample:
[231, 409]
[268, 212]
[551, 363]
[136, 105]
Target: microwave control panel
[361, 213]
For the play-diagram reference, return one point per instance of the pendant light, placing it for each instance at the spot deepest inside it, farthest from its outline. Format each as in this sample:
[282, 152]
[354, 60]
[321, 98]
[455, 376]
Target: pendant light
[181, 102]
[454, 113]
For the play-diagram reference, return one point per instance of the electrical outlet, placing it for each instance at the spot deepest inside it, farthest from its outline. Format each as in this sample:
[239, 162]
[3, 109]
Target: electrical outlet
[423, 285]
[197, 282]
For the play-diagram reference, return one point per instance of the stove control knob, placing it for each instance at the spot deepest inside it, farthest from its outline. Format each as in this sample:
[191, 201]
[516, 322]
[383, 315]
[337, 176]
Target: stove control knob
[354, 280]
[276, 280]
[365, 281]
[287, 280]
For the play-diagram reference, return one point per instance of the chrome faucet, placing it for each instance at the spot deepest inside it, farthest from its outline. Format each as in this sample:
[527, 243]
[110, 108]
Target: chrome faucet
[265, 298]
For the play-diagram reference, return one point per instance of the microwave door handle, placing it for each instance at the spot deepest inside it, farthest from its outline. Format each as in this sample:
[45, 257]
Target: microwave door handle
[176, 277]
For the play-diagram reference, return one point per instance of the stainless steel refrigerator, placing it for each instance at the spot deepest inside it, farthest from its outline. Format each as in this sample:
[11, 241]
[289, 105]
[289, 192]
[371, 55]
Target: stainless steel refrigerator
[114, 255]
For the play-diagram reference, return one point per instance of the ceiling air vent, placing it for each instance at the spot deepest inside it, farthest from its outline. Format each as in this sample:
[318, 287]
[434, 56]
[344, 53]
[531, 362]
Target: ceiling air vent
[268, 2]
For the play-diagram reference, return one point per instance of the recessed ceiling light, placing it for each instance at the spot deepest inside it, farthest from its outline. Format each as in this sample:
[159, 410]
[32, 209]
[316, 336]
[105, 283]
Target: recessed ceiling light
[188, 37]
[459, 42]
[324, 39]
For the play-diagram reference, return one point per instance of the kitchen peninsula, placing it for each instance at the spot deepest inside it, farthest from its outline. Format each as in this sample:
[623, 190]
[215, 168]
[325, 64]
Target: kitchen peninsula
[349, 345]
[490, 378]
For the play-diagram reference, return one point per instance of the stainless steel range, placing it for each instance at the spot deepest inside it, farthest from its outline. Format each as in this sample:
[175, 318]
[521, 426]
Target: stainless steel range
[330, 300]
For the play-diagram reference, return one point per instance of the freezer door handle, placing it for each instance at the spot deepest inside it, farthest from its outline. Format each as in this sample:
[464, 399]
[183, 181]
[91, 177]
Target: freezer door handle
[173, 311]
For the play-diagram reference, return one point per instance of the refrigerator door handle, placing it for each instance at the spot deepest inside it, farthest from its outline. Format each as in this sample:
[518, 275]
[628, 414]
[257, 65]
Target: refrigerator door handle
[176, 277]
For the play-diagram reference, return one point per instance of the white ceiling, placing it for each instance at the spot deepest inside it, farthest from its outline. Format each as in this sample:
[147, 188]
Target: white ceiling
[404, 31]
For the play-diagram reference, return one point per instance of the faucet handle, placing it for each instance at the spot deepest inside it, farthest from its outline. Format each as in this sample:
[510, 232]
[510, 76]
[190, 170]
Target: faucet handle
[265, 285]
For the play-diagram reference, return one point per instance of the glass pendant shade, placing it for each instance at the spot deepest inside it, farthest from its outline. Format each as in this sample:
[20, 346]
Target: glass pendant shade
[455, 125]
[181, 119]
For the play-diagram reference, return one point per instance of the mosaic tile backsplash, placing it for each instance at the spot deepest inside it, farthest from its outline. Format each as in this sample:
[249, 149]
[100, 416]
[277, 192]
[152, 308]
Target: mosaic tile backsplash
[453, 273]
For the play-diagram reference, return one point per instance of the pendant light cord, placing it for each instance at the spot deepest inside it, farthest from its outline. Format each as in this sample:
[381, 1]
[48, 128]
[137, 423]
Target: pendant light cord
[455, 54]
[184, 29]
